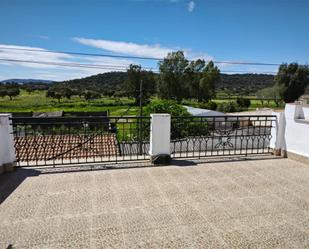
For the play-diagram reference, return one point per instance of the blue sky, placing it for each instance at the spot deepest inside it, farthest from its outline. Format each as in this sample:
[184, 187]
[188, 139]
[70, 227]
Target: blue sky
[272, 31]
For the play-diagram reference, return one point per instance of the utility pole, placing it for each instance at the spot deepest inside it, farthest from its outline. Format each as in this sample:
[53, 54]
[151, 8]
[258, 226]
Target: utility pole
[140, 115]
[141, 98]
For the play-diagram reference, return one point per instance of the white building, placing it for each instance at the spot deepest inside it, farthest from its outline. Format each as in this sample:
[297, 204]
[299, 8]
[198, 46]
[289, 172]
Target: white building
[202, 112]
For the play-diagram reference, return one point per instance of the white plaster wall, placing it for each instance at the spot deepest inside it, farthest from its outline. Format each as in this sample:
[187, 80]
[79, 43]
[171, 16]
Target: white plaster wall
[276, 133]
[292, 132]
[306, 112]
[160, 132]
[7, 151]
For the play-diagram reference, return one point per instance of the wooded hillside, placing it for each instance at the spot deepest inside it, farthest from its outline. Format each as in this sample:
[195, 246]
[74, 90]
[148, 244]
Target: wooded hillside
[235, 83]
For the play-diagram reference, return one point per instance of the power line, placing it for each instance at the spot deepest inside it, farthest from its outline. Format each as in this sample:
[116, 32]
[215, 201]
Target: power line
[81, 65]
[82, 54]
[110, 67]
[244, 71]
[135, 57]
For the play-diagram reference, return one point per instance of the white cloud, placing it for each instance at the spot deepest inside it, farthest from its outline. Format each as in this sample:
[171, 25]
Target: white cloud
[106, 64]
[109, 61]
[13, 52]
[192, 55]
[128, 48]
[142, 50]
[55, 72]
[191, 6]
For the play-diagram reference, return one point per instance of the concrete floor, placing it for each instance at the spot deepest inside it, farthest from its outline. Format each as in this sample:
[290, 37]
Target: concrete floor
[245, 204]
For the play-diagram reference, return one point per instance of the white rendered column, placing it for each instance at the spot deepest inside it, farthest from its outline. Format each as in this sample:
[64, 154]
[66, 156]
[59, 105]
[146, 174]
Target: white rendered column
[7, 150]
[160, 135]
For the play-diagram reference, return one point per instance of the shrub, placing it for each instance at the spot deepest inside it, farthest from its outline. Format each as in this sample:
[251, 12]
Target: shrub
[210, 105]
[166, 106]
[181, 127]
[228, 107]
[243, 103]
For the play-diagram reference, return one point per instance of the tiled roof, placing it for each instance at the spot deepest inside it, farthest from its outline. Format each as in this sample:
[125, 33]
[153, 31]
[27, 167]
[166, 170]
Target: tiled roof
[47, 147]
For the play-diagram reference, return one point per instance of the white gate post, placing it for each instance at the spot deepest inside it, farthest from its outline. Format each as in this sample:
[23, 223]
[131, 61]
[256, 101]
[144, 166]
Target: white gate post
[277, 141]
[7, 150]
[160, 133]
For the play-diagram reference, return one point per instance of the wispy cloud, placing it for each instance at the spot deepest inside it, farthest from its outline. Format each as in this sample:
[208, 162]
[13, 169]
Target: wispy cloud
[54, 72]
[13, 52]
[142, 50]
[128, 48]
[44, 37]
[191, 6]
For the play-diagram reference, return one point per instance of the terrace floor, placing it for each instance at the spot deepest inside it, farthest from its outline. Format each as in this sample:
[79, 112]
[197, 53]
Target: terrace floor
[235, 204]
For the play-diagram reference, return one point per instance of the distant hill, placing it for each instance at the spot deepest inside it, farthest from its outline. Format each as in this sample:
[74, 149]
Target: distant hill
[100, 82]
[236, 83]
[26, 81]
[245, 83]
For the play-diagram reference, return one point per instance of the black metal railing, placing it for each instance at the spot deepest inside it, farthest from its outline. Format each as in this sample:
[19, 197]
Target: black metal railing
[220, 135]
[75, 140]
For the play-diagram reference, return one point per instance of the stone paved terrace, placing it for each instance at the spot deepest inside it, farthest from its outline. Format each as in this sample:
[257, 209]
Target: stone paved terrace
[244, 204]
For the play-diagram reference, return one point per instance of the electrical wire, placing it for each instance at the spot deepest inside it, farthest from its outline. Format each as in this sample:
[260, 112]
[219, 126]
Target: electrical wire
[135, 57]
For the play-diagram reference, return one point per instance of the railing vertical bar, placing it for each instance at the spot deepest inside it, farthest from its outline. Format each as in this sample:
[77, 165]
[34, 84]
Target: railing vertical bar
[236, 134]
[213, 133]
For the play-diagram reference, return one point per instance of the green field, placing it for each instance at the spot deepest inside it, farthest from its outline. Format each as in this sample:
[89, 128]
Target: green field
[37, 102]
[255, 103]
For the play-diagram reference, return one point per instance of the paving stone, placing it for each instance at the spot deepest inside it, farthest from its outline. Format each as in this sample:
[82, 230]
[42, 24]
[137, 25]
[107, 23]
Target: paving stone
[40, 232]
[142, 240]
[109, 223]
[174, 238]
[102, 238]
[204, 236]
[188, 214]
[135, 220]
[162, 216]
[235, 209]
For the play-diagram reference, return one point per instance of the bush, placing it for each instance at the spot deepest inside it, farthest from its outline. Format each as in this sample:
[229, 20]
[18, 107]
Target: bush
[166, 106]
[243, 103]
[210, 105]
[90, 95]
[180, 127]
[10, 90]
[228, 107]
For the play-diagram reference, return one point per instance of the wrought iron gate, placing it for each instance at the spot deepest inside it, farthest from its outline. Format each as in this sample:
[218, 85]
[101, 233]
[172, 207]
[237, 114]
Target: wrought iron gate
[221, 135]
[76, 140]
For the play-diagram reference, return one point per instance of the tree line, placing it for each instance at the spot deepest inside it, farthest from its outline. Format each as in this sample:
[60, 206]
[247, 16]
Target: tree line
[290, 83]
[178, 79]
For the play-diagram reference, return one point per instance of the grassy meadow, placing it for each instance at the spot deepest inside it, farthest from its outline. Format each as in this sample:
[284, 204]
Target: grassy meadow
[37, 102]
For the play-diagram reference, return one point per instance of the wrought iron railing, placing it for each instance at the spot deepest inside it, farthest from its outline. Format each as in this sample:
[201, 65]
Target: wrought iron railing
[220, 135]
[75, 140]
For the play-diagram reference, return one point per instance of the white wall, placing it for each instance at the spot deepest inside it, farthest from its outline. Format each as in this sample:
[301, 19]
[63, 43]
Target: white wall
[7, 151]
[292, 131]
